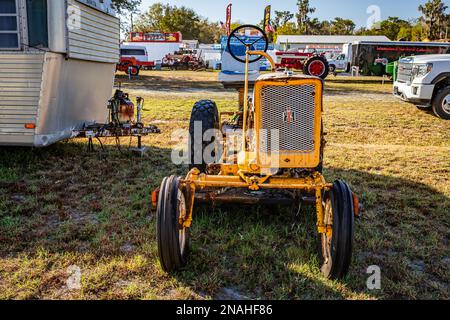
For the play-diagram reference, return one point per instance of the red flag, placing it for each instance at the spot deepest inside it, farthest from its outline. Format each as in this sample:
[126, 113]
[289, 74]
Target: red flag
[270, 29]
[228, 23]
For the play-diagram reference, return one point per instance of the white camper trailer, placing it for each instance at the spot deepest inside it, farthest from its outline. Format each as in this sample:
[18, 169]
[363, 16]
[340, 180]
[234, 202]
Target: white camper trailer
[57, 65]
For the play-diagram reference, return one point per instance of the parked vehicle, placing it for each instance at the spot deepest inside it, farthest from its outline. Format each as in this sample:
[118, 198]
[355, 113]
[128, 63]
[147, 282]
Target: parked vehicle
[392, 70]
[342, 62]
[425, 81]
[211, 55]
[184, 59]
[138, 52]
[133, 59]
[373, 57]
[56, 68]
[312, 63]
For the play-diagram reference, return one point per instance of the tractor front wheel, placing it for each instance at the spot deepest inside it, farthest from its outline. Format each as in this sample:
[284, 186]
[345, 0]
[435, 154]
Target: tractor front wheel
[337, 250]
[172, 237]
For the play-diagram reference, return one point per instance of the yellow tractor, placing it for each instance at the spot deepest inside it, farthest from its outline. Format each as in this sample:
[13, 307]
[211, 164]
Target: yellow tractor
[277, 160]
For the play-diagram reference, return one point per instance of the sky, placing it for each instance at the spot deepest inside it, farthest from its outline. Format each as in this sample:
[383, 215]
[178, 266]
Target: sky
[251, 11]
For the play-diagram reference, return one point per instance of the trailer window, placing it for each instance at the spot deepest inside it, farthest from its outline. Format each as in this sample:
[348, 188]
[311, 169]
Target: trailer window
[9, 27]
[37, 23]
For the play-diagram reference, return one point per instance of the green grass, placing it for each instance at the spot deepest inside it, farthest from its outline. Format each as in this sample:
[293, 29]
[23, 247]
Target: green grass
[62, 206]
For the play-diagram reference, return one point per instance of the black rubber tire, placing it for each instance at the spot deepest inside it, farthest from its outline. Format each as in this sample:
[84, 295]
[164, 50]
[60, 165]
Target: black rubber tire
[135, 71]
[317, 58]
[172, 256]
[438, 101]
[336, 253]
[206, 112]
[332, 68]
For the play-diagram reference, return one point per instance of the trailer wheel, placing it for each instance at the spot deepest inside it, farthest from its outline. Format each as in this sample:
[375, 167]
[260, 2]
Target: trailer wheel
[204, 112]
[441, 103]
[172, 238]
[337, 250]
[317, 66]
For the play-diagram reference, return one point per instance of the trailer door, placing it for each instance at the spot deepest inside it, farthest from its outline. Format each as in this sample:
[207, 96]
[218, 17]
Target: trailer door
[37, 23]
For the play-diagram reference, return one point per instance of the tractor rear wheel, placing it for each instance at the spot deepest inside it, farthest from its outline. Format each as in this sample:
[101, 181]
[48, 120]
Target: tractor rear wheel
[206, 114]
[317, 66]
[172, 237]
[337, 250]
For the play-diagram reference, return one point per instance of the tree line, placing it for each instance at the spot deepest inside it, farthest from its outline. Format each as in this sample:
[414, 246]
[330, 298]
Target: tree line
[433, 24]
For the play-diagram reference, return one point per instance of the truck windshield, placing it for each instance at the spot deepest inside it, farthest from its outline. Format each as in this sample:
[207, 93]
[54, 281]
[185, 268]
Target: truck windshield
[9, 31]
[37, 23]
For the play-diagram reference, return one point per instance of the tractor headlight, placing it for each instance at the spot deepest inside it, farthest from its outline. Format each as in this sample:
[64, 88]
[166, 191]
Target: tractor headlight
[421, 70]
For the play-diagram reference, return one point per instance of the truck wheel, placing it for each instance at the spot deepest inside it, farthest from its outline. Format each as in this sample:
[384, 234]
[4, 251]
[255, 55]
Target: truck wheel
[337, 250]
[205, 112]
[441, 103]
[317, 66]
[172, 238]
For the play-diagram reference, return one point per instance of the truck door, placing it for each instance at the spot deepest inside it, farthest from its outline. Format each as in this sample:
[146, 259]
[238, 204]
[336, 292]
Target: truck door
[341, 62]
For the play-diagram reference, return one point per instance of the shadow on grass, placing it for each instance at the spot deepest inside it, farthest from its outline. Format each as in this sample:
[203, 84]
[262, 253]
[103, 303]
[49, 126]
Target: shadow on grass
[358, 81]
[163, 83]
[251, 252]
[64, 199]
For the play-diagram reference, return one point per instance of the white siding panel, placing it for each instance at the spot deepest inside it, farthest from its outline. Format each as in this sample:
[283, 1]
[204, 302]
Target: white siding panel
[20, 88]
[97, 39]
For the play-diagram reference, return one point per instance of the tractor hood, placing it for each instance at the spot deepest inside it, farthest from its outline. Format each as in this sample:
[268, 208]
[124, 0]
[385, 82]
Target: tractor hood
[284, 76]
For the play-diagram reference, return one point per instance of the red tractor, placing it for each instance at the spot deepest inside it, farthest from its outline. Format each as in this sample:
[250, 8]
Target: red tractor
[312, 63]
[184, 59]
[132, 66]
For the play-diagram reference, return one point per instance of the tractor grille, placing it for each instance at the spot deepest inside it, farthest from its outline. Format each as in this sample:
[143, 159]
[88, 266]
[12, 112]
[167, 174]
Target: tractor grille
[291, 111]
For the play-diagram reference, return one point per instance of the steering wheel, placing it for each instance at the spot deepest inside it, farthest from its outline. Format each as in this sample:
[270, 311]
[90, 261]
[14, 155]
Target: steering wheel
[235, 34]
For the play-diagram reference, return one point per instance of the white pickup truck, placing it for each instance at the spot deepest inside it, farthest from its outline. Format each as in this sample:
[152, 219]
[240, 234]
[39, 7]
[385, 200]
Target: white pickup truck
[342, 62]
[425, 82]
